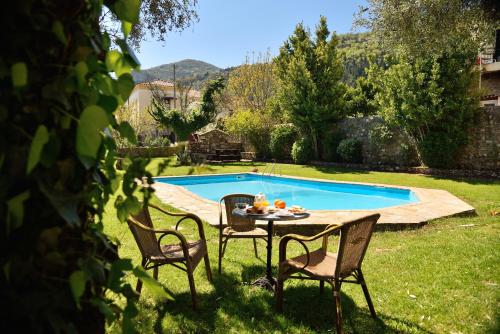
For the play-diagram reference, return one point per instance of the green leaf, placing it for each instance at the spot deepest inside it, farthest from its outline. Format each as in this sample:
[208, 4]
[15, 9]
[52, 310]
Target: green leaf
[117, 272]
[104, 308]
[15, 207]
[128, 10]
[127, 131]
[113, 59]
[107, 102]
[129, 312]
[77, 284]
[151, 284]
[58, 30]
[19, 73]
[41, 138]
[125, 85]
[81, 70]
[126, 28]
[88, 137]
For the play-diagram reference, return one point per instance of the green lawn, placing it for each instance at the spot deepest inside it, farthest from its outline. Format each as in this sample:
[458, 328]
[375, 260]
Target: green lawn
[442, 278]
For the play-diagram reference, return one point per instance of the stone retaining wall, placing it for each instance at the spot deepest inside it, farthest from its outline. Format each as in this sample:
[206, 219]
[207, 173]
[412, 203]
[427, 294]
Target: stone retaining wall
[150, 152]
[483, 150]
[391, 147]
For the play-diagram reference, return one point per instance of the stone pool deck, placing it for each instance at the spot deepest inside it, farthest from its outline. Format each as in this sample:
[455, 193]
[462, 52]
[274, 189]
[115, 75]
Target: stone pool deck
[432, 204]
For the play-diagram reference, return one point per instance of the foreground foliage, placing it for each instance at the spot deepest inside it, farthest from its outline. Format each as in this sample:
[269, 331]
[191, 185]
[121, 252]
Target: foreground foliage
[60, 85]
[441, 278]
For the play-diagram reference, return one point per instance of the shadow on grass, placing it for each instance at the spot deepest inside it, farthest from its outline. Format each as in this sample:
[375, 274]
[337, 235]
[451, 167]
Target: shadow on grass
[339, 170]
[236, 307]
[468, 180]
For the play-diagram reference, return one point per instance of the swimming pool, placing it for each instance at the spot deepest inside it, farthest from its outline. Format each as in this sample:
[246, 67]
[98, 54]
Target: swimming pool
[311, 194]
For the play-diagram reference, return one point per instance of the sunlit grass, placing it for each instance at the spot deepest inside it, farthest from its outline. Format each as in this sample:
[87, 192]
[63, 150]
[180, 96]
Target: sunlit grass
[442, 278]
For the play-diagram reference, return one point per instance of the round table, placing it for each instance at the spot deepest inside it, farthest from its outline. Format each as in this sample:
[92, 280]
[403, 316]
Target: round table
[268, 281]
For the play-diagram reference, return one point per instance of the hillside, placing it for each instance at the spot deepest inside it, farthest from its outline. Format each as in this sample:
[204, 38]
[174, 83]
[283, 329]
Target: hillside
[187, 69]
[355, 50]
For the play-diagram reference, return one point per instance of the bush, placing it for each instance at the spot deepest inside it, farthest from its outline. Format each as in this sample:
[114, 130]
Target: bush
[330, 144]
[282, 138]
[302, 151]
[252, 126]
[438, 150]
[350, 150]
[155, 141]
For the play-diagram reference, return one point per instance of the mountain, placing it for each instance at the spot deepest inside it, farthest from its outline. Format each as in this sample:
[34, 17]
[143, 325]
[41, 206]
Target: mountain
[187, 69]
[354, 48]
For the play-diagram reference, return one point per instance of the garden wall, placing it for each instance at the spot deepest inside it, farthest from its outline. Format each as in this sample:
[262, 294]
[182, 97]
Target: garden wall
[150, 152]
[382, 145]
[390, 146]
[483, 150]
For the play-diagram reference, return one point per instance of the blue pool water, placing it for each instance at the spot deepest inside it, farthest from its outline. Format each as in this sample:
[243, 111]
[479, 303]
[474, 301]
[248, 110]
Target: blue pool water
[312, 195]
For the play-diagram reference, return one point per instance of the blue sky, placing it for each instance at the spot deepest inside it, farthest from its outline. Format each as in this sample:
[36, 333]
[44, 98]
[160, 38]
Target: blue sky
[229, 30]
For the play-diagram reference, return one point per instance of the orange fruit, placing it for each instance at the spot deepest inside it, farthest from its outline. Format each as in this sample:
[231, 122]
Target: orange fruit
[279, 204]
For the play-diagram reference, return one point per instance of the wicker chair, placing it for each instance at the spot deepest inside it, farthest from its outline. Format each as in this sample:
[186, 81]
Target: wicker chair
[334, 268]
[237, 227]
[186, 255]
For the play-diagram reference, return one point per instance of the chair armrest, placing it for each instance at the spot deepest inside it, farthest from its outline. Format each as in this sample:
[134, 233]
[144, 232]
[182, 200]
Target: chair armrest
[302, 239]
[184, 216]
[283, 246]
[164, 232]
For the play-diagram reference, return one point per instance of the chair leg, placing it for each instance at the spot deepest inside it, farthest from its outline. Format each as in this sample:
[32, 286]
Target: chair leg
[367, 294]
[321, 287]
[338, 307]
[278, 293]
[255, 247]
[220, 255]
[138, 287]
[155, 273]
[192, 287]
[207, 268]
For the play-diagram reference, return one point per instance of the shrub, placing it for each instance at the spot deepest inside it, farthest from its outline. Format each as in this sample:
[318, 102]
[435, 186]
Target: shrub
[252, 126]
[302, 151]
[350, 150]
[155, 141]
[438, 150]
[330, 144]
[282, 138]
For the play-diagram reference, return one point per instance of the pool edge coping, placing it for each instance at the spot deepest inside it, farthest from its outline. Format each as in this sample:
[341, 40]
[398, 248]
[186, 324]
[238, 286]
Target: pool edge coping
[398, 216]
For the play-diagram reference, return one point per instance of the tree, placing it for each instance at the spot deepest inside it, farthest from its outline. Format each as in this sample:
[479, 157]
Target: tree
[252, 85]
[59, 89]
[431, 99]
[429, 27]
[156, 17]
[252, 125]
[309, 73]
[186, 122]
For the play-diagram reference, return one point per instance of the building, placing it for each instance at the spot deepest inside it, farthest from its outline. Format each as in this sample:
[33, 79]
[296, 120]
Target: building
[489, 65]
[142, 94]
[141, 98]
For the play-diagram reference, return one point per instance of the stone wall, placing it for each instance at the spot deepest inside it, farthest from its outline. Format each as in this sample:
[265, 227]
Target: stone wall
[205, 147]
[483, 150]
[389, 146]
[382, 145]
[150, 152]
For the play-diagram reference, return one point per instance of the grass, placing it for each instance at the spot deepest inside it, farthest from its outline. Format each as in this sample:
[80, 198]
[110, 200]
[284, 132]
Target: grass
[442, 278]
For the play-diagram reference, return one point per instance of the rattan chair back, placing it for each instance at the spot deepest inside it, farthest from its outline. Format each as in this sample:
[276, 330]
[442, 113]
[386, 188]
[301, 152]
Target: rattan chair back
[237, 223]
[354, 239]
[145, 237]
